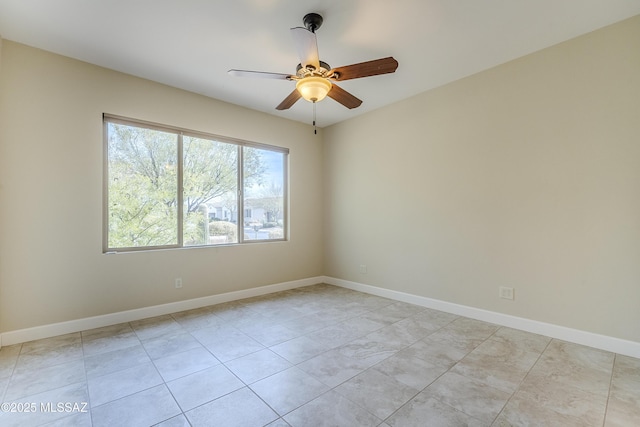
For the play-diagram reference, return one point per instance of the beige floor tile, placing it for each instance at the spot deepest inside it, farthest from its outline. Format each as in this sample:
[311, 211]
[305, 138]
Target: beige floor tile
[333, 368]
[155, 326]
[434, 318]
[185, 363]
[472, 329]
[198, 318]
[44, 357]
[331, 409]
[563, 397]
[28, 382]
[499, 364]
[145, 408]
[353, 359]
[622, 412]
[625, 382]
[115, 360]
[8, 359]
[171, 343]
[370, 349]
[256, 366]
[279, 423]
[203, 386]
[570, 372]
[300, 349]
[269, 335]
[51, 343]
[470, 396]
[106, 331]
[279, 313]
[232, 311]
[423, 407]
[227, 343]
[400, 310]
[75, 420]
[377, 392]
[623, 408]
[522, 412]
[123, 383]
[177, 421]
[521, 339]
[289, 389]
[410, 369]
[341, 333]
[312, 322]
[449, 345]
[107, 343]
[239, 408]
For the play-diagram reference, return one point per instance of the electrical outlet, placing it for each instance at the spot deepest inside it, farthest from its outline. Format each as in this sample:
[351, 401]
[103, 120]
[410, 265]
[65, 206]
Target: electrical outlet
[505, 293]
[363, 268]
[178, 282]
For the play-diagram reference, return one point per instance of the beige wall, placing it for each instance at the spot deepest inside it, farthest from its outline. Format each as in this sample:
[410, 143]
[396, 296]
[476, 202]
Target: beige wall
[526, 175]
[51, 265]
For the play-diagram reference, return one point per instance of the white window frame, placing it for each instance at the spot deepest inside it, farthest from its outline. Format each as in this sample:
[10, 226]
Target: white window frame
[180, 132]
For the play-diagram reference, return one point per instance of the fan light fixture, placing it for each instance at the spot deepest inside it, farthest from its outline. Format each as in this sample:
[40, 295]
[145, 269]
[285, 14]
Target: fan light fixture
[313, 88]
[315, 79]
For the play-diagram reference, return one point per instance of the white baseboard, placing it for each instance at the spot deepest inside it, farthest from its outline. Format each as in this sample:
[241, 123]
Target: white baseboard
[54, 329]
[603, 342]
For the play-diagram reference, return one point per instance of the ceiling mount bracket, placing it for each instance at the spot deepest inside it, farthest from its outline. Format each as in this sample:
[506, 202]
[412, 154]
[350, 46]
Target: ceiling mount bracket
[312, 21]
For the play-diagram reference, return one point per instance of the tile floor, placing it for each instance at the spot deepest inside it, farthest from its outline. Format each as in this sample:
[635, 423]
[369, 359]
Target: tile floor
[314, 356]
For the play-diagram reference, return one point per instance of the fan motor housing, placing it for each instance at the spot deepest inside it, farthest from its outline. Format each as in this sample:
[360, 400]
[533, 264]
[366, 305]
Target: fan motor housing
[322, 71]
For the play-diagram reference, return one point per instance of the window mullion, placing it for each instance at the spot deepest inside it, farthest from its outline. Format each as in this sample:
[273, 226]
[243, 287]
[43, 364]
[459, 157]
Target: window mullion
[285, 197]
[180, 189]
[240, 203]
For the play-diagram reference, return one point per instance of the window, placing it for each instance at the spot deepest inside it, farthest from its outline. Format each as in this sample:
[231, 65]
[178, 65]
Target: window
[171, 188]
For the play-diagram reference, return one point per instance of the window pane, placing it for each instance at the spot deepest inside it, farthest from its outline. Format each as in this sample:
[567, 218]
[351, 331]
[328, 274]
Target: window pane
[264, 187]
[167, 189]
[210, 180]
[142, 187]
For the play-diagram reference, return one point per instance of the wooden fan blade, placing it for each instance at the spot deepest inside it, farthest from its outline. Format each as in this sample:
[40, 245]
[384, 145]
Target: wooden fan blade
[343, 97]
[306, 47]
[259, 74]
[366, 69]
[289, 100]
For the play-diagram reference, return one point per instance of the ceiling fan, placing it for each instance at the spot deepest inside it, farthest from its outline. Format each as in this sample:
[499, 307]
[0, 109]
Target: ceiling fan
[315, 79]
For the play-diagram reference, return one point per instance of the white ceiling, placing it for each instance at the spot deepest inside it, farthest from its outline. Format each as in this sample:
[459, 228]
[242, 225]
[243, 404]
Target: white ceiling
[190, 44]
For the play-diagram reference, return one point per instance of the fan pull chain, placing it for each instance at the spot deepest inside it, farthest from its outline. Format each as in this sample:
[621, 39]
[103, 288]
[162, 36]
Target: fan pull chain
[315, 131]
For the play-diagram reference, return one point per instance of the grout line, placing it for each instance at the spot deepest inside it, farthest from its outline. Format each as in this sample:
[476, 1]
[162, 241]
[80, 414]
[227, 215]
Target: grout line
[522, 381]
[606, 406]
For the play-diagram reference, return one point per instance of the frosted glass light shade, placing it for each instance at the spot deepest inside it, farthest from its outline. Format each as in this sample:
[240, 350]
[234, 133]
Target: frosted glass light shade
[313, 89]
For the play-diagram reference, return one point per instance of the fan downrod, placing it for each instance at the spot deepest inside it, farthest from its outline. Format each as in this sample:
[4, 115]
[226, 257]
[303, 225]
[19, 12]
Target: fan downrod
[312, 21]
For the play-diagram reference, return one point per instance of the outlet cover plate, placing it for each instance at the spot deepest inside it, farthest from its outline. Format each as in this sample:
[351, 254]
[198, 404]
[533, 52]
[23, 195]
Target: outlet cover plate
[505, 293]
